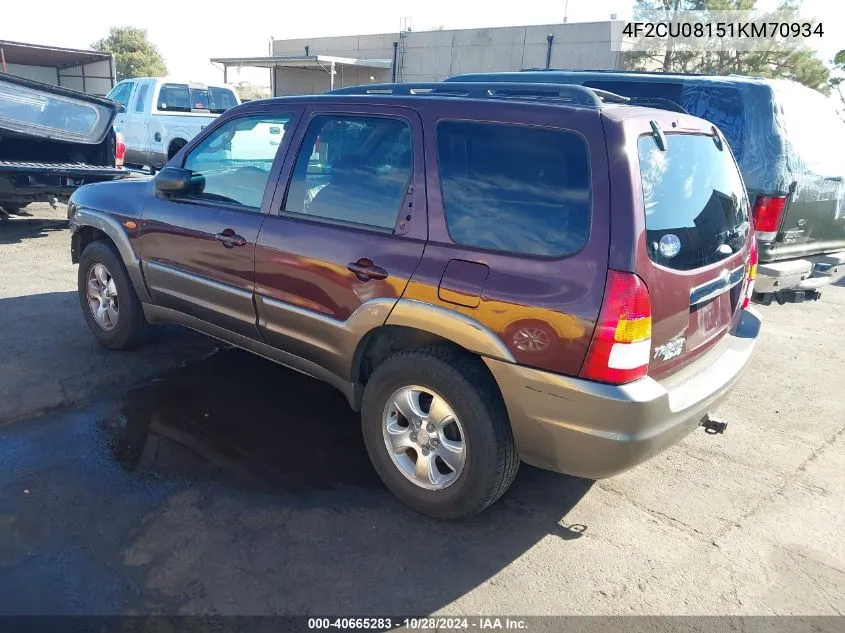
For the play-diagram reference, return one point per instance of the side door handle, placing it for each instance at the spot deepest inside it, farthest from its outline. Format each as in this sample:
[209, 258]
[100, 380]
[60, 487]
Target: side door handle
[230, 239]
[365, 270]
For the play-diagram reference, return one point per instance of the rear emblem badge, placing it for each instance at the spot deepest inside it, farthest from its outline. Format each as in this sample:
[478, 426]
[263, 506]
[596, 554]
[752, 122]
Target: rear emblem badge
[670, 349]
[670, 245]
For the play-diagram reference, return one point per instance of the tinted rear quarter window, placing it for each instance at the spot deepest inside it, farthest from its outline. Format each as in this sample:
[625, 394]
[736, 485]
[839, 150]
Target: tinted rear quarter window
[514, 188]
[696, 211]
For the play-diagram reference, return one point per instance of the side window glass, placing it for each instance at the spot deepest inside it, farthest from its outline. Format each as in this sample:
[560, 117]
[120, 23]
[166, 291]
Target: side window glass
[352, 169]
[121, 93]
[141, 98]
[232, 163]
[174, 98]
[514, 188]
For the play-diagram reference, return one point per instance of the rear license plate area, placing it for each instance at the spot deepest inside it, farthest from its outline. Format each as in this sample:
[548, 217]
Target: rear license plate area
[709, 319]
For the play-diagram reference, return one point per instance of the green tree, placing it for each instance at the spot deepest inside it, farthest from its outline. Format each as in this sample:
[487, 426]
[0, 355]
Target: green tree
[134, 54]
[802, 65]
[838, 65]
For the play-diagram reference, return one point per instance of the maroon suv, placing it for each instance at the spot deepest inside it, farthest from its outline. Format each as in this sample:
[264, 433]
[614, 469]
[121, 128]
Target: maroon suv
[489, 273]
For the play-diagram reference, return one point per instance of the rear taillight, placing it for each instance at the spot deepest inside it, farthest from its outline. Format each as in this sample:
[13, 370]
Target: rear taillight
[767, 213]
[119, 149]
[753, 259]
[621, 345]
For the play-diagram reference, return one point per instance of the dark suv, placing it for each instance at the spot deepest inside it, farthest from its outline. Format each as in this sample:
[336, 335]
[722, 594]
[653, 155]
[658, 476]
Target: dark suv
[489, 273]
[787, 140]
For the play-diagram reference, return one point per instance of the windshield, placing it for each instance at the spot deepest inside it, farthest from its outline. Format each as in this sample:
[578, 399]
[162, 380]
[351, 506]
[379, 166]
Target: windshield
[185, 98]
[696, 209]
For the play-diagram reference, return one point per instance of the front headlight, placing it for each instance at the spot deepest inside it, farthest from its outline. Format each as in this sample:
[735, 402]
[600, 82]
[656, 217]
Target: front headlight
[71, 210]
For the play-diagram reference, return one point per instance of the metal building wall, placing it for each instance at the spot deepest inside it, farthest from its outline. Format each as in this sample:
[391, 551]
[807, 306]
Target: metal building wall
[435, 55]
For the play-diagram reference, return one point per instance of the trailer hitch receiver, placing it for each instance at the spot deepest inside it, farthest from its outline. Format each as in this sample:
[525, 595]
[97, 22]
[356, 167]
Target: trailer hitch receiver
[713, 425]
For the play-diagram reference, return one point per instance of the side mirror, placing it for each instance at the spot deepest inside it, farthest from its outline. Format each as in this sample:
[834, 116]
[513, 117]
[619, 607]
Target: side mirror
[173, 181]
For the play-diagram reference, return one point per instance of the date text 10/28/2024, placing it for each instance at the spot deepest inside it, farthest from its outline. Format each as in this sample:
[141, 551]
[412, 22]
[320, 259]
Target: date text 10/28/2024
[424, 624]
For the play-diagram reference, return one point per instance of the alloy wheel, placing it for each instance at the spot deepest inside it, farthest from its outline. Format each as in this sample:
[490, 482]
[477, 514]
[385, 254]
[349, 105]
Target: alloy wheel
[424, 437]
[102, 297]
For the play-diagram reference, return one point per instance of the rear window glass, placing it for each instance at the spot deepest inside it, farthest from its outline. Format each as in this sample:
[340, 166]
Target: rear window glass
[514, 188]
[719, 104]
[185, 98]
[723, 106]
[696, 211]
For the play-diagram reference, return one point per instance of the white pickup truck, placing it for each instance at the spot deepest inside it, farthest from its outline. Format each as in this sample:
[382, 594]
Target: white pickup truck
[161, 114]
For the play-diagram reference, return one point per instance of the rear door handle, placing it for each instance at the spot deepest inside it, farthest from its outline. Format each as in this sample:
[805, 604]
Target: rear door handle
[230, 239]
[365, 270]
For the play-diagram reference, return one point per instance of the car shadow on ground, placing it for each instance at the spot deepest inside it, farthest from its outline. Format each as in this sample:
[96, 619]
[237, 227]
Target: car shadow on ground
[15, 229]
[251, 425]
[235, 486]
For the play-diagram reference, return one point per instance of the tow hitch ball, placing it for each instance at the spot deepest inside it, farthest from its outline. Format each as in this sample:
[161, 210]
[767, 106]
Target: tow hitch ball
[713, 425]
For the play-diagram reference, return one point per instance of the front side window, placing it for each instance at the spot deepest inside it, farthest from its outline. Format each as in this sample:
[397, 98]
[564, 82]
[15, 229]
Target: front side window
[696, 210]
[514, 188]
[121, 93]
[185, 98]
[352, 169]
[232, 164]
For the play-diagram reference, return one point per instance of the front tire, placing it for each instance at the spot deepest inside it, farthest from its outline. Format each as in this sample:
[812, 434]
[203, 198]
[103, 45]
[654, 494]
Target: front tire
[437, 432]
[109, 303]
[10, 207]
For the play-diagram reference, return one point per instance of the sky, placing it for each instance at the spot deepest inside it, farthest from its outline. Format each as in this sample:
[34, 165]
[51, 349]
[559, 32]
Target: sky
[189, 33]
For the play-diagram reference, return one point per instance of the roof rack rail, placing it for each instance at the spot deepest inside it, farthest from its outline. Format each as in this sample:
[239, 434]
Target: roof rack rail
[568, 93]
[611, 71]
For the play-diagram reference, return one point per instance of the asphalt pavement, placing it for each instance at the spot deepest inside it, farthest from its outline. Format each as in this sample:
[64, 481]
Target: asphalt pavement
[186, 478]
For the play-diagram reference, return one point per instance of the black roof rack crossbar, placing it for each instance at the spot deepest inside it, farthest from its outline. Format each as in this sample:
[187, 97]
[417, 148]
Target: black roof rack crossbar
[569, 93]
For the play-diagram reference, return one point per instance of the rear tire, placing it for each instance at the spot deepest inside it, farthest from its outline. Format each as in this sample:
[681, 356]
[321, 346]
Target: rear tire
[175, 146]
[490, 461]
[121, 324]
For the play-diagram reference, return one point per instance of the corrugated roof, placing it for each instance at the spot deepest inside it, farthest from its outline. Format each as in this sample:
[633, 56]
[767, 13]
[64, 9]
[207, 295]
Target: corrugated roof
[301, 61]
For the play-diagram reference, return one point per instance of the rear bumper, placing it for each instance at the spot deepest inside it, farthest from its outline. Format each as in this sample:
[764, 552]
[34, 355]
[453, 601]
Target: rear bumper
[593, 430]
[806, 273]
